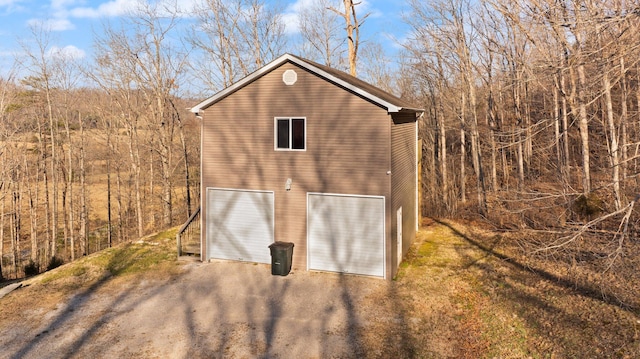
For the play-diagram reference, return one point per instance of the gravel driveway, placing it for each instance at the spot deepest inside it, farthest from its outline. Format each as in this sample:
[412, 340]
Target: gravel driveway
[211, 310]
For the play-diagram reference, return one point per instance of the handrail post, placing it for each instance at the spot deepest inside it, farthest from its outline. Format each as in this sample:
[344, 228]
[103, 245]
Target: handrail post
[179, 244]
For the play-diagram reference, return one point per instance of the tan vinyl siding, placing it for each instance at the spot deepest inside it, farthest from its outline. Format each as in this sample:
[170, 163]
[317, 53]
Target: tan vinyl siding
[403, 181]
[347, 147]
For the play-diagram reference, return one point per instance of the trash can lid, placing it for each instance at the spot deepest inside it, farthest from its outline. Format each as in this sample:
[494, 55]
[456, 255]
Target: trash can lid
[281, 245]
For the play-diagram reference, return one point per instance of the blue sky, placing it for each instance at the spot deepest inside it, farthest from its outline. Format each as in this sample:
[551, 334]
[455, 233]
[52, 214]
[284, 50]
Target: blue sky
[73, 23]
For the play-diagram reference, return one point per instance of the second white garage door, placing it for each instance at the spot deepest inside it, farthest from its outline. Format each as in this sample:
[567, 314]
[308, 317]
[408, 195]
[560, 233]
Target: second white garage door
[240, 224]
[346, 233]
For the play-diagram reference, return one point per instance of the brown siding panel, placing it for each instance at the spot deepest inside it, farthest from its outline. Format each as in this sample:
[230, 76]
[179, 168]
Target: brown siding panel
[403, 181]
[347, 147]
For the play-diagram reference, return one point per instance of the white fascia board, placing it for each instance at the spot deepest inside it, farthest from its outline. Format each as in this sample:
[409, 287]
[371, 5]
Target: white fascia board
[197, 108]
[390, 107]
[286, 57]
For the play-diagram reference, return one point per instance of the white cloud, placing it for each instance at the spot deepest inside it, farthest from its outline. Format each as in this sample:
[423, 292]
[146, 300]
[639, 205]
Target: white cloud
[291, 23]
[61, 4]
[11, 6]
[116, 8]
[108, 9]
[67, 52]
[291, 16]
[52, 24]
[299, 5]
[9, 54]
[9, 3]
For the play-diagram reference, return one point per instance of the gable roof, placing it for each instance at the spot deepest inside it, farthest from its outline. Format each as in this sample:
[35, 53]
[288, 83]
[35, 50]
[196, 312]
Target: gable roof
[384, 99]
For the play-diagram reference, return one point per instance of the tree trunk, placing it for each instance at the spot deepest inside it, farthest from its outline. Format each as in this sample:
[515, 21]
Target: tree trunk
[463, 152]
[84, 213]
[506, 173]
[2, 213]
[613, 150]
[134, 156]
[565, 127]
[33, 210]
[69, 225]
[47, 198]
[352, 42]
[635, 161]
[556, 128]
[443, 156]
[476, 150]
[583, 120]
[187, 181]
[352, 26]
[109, 216]
[528, 140]
[54, 173]
[122, 234]
[624, 140]
[16, 225]
[491, 121]
[518, 131]
[167, 205]
[520, 149]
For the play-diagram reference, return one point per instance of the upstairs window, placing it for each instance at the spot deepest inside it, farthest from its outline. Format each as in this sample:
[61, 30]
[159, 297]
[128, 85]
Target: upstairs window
[290, 134]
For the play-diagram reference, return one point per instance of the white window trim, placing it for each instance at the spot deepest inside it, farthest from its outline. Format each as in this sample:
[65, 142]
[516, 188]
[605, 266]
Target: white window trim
[275, 133]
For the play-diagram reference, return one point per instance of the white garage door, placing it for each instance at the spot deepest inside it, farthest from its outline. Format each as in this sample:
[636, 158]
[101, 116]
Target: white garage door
[346, 233]
[240, 224]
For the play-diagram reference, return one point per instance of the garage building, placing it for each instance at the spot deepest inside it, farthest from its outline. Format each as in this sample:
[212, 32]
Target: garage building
[303, 153]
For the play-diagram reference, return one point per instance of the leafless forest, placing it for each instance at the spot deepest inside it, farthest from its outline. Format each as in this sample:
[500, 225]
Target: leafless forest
[531, 122]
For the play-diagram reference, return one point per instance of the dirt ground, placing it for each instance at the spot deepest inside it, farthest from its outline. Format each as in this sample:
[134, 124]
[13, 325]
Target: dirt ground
[451, 300]
[219, 309]
[210, 310]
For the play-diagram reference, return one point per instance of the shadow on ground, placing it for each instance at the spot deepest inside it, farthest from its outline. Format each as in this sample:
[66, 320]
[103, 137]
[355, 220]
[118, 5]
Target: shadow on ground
[559, 315]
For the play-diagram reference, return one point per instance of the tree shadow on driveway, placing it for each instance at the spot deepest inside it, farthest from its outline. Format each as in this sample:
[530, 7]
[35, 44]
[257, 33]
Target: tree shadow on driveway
[220, 309]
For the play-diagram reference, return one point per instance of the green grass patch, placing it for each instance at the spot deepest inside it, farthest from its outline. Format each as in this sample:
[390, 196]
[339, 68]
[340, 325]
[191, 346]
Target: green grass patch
[136, 258]
[71, 270]
[421, 256]
[155, 253]
[142, 255]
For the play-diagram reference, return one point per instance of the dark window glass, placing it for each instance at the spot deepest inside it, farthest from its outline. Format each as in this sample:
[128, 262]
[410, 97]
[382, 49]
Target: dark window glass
[283, 133]
[297, 132]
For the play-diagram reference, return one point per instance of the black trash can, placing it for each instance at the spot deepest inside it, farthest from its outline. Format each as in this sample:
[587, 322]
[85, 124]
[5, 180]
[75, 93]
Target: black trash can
[281, 255]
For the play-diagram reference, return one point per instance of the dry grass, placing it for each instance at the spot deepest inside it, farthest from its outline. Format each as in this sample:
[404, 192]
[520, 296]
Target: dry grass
[472, 299]
[148, 258]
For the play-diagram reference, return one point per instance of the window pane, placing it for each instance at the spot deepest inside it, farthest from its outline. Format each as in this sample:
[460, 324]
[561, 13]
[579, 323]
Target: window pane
[297, 133]
[283, 133]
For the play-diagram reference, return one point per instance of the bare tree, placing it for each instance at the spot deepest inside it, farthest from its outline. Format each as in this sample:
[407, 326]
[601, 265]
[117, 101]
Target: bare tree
[67, 75]
[113, 74]
[42, 79]
[8, 93]
[444, 23]
[233, 39]
[352, 27]
[377, 67]
[320, 32]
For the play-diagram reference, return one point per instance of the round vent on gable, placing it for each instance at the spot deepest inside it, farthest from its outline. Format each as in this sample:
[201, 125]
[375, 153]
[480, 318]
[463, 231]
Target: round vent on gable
[289, 77]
